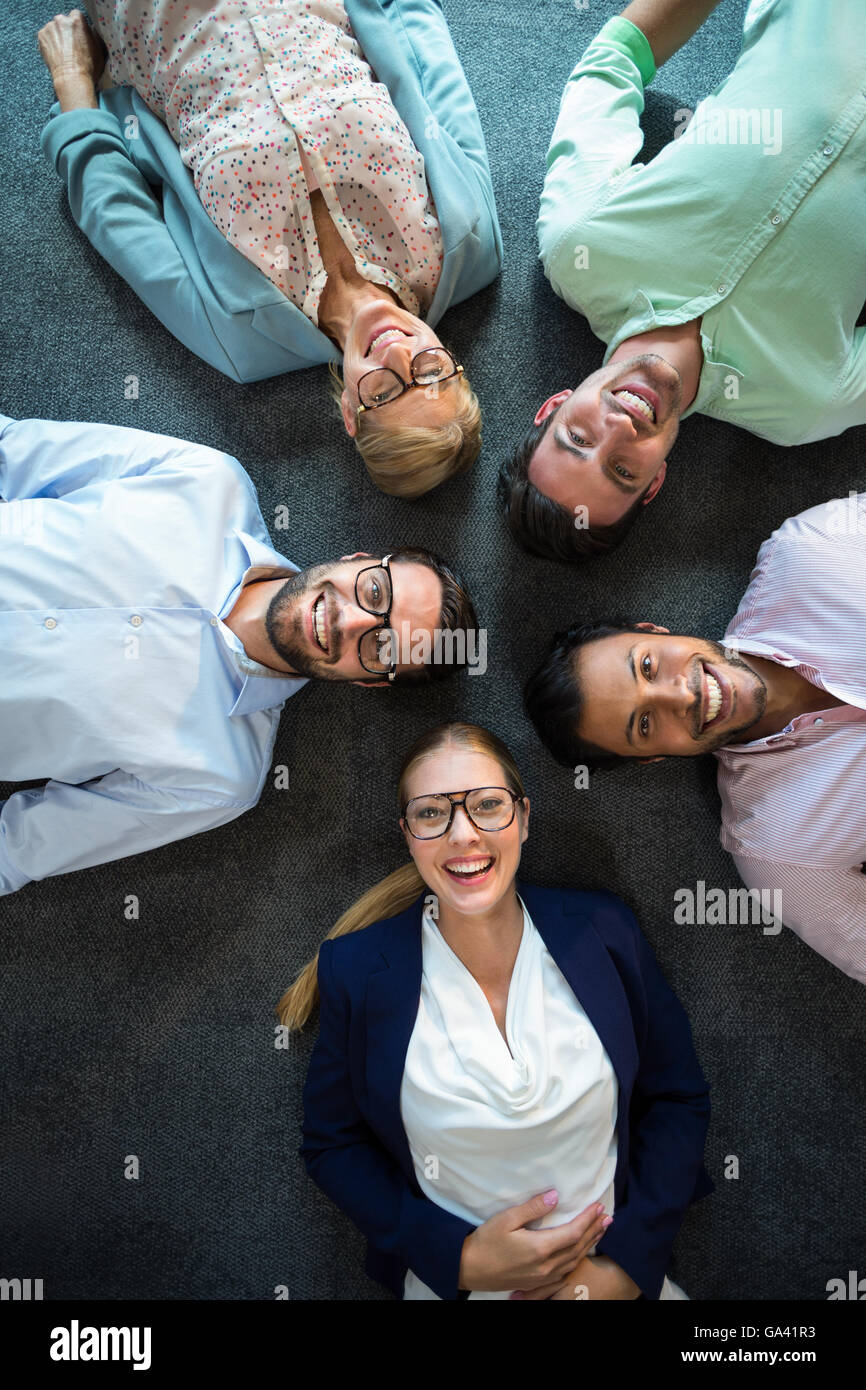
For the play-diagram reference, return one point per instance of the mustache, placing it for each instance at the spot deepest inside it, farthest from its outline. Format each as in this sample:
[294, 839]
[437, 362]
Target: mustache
[283, 620]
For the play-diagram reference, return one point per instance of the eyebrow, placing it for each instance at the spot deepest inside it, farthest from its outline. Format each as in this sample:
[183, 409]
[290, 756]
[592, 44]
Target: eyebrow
[562, 442]
[630, 725]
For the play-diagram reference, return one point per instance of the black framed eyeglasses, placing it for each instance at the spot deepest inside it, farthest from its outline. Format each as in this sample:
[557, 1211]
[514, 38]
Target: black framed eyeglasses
[488, 808]
[374, 593]
[430, 367]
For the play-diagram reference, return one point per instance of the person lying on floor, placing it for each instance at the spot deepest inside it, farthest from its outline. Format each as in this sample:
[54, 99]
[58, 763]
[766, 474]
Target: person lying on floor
[325, 195]
[504, 1095]
[781, 702]
[726, 275]
[151, 634]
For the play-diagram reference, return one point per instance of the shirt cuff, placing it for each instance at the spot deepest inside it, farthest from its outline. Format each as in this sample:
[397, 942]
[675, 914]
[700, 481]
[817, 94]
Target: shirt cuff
[64, 126]
[633, 42]
[11, 879]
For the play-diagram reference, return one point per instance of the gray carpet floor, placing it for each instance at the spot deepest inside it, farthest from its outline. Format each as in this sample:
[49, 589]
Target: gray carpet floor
[156, 1038]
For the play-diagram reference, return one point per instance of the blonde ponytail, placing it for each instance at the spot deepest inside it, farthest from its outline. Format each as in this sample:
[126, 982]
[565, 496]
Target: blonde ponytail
[385, 899]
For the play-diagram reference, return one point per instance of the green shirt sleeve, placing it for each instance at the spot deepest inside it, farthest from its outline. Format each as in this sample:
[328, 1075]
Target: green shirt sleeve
[634, 43]
[596, 136]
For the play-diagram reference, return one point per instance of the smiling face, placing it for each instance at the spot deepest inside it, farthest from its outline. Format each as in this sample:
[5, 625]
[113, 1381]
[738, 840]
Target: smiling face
[383, 334]
[652, 694]
[469, 870]
[315, 623]
[609, 439]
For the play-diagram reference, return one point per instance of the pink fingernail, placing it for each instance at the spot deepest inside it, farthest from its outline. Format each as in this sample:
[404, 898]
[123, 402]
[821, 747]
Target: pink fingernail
[518, 1295]
[608, 1221]
[551, 1197]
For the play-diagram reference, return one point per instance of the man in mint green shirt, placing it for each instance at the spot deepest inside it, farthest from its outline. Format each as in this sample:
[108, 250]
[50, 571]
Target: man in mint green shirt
[726, 276]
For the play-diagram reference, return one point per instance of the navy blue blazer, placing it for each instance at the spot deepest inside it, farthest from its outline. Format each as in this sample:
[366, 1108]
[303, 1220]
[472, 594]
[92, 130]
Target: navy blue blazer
[355, 1147]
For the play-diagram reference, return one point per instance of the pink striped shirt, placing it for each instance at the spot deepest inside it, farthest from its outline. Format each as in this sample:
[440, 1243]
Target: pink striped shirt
[794, 803]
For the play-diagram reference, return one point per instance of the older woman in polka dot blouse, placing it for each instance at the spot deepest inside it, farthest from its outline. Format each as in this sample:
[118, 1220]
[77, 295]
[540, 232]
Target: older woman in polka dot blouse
[349, 228]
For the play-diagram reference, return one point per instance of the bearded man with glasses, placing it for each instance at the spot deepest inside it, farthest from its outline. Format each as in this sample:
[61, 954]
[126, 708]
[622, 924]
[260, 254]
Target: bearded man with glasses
[318, 622]
[147, 683]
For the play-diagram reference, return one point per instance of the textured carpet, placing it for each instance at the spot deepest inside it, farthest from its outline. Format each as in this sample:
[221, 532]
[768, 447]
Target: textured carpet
[155, 1038]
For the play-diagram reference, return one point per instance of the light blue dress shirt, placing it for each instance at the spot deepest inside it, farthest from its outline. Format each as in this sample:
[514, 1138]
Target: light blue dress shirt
[121, 552]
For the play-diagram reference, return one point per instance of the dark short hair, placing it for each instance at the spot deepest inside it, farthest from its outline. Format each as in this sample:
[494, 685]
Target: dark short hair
[554, 701]
[542, 526]
[457, 612]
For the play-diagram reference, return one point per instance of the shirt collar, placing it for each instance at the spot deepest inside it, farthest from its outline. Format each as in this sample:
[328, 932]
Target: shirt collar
[716, 376]
[262, 686]
[852, 694]
[831, 715]
[738, 644]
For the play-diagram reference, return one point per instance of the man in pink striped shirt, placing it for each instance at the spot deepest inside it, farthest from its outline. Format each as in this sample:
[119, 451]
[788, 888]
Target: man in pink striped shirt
[781, 703]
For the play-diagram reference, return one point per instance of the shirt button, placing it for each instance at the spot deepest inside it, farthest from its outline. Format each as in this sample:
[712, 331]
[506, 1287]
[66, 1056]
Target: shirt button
[213, 622]
[775, 219]
[819, 721]
[723, 289]
[135, 620]
[828, 149]
[50, 623]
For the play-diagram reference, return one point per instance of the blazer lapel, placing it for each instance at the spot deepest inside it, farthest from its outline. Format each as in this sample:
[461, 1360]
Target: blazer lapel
[584, 961]
[393, 993]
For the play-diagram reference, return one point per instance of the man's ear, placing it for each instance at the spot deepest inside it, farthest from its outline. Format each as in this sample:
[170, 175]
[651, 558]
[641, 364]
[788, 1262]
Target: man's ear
[646, 761]
[349, 413]
[552, 403]
[656, 483]
[371, 685]
[358, 555]
[651, 627]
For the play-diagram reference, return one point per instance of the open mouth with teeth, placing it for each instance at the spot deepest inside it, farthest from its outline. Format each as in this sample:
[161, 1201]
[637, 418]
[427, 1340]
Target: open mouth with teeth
[387, 335]
[636, 402]
[715, 701]
[320, 630]
[469, 870]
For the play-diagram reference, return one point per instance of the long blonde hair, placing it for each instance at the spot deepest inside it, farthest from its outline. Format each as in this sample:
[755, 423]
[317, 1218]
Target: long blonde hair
[410, 460]
[399, 890]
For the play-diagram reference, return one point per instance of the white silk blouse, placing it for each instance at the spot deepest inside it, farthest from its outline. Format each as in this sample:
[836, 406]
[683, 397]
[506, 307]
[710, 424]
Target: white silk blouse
[491, 1123]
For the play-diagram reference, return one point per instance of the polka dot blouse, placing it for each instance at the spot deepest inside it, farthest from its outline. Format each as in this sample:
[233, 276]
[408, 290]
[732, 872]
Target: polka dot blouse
[254, 94]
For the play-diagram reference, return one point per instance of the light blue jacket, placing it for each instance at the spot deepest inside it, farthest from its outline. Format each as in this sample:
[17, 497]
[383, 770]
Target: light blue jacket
[207, 293]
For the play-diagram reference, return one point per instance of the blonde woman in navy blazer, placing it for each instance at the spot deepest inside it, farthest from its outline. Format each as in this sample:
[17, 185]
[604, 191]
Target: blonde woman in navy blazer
[369, 1142]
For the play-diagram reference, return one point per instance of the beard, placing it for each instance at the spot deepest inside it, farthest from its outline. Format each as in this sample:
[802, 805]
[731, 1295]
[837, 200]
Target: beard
[284, 623]
[711, 741]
